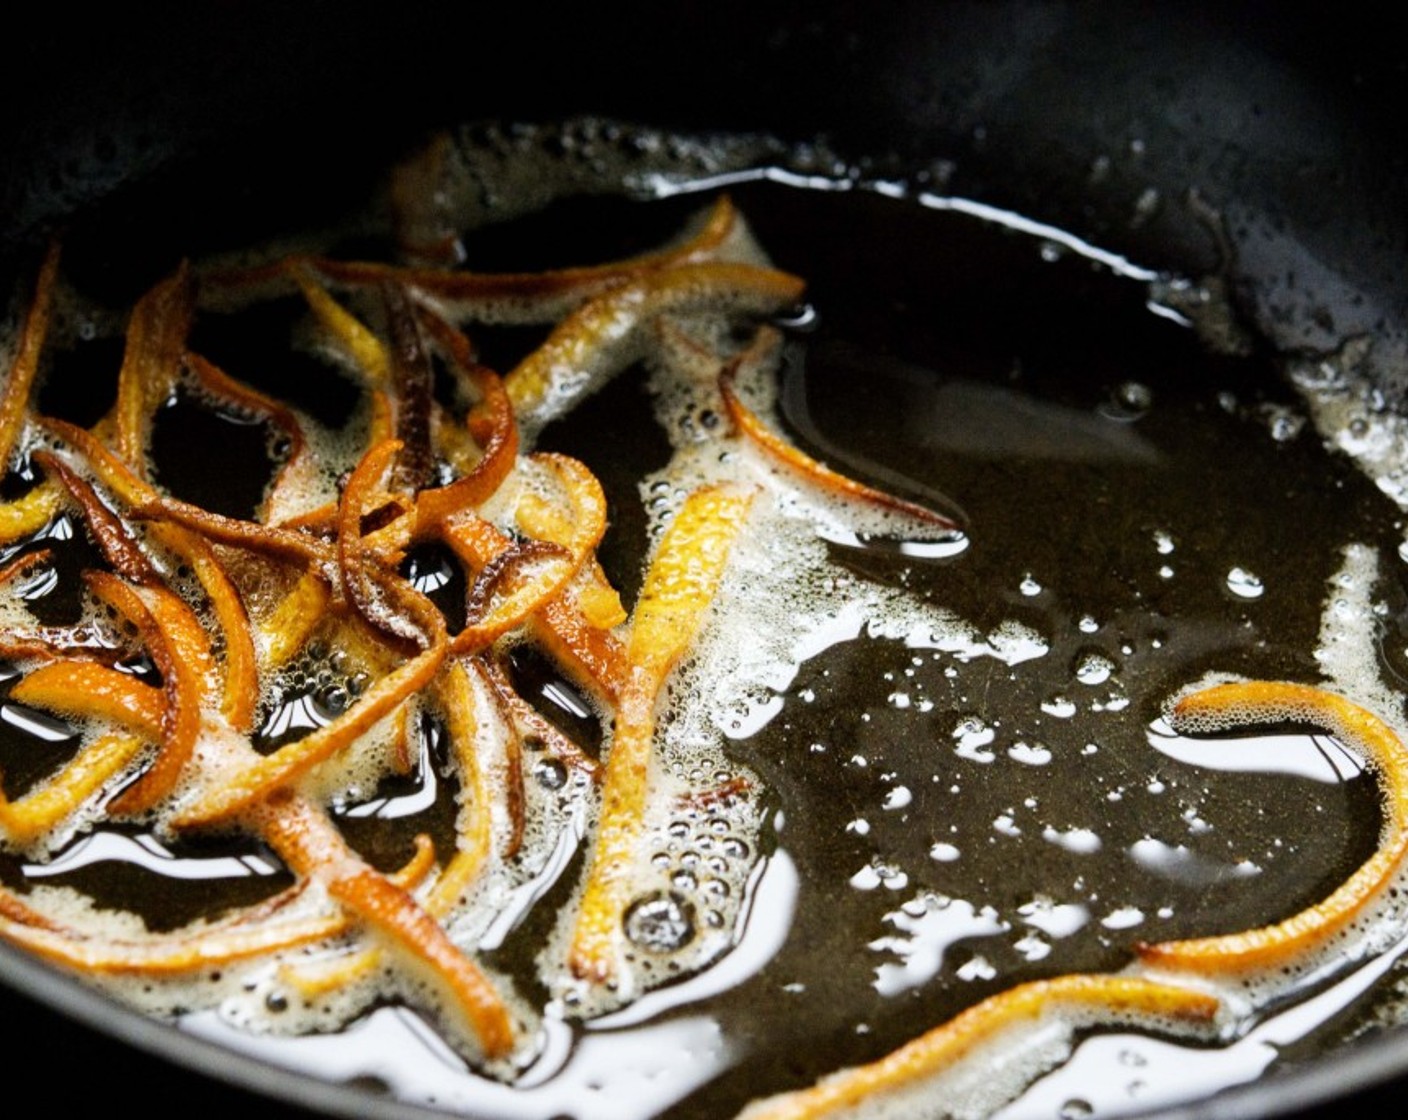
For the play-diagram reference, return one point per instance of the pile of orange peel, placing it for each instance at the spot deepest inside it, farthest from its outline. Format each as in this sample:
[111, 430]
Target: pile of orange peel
[178, 755]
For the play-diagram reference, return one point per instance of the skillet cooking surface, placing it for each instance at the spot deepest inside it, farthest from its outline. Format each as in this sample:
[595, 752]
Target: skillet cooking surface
[1279, 144]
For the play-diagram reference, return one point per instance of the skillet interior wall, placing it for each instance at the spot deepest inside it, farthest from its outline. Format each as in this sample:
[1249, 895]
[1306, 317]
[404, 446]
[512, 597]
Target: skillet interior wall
[263, 114]
[264, 117]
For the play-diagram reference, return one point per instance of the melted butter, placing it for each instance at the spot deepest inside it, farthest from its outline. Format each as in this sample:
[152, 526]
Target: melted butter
[964, 780]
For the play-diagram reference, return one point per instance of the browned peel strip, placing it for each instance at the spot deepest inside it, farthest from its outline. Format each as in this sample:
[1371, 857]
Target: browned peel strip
[1258, 702]
[542, 296]
[119, 548]
[305, 840]
[297, 466]
[819, 474]
[411, 379]
[601, 337]
[151, 364]
[14, 399]
[939, 1049]
[181, 650]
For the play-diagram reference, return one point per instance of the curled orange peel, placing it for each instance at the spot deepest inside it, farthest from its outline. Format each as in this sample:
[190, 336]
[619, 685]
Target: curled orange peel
[538, 297]
[309, 844]
[752, 428]
[298, 471]
[181, 650]
[942, 1047]
[603, 336]
[28, 818]
[151, 364]
[1266, 702]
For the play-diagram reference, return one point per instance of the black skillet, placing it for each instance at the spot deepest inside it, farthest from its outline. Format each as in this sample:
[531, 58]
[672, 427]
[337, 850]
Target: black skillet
[250, 118]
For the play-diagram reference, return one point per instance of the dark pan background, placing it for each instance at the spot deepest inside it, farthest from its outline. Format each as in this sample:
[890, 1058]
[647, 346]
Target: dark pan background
[254, 117]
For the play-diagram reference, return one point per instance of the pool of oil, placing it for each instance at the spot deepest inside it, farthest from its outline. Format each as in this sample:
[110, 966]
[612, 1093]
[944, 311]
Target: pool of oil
[1139, 512]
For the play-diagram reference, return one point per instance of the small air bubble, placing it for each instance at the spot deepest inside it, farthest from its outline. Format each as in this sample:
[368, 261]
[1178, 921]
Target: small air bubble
[1093, 668]
[1245, 584]
[550, 773]
[1130, 400]
[660, 923]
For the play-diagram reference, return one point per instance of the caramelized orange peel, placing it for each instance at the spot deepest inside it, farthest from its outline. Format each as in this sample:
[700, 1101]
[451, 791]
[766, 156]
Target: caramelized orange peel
[602, 336]
[1269, 702]
[752, 428]
[679, 587]
[1104, 997]
[539, 297]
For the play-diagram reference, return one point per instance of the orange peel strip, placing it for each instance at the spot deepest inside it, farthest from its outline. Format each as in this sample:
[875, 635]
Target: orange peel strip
[14, 399]
[29, 817]
[679, 587]
[25, 516]
[1260, 702]
[474, 823]
[363, 347]
[311, 846]
[85, 689]
[119, 548]
[819, 474]
[297, 469]
[181, 650]
[241, 670]
[170, 956]
[601, 337]
[151, 363]
[271, 540]
[939, 1049]
[492, 422]
[540, 297]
